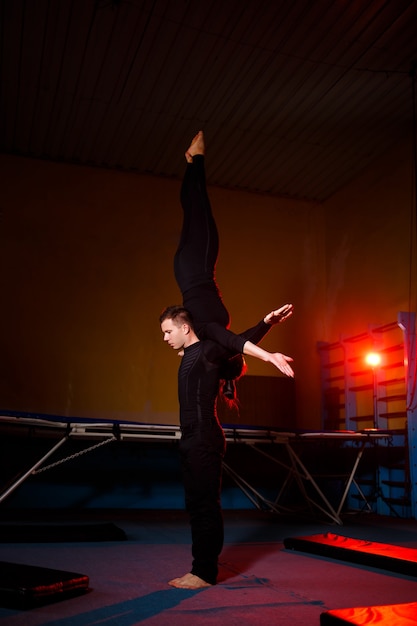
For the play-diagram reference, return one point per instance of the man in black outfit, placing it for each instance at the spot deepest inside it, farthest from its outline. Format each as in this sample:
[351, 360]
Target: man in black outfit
[198, 330]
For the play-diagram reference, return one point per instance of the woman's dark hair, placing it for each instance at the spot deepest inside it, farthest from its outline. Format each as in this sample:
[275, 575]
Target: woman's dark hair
[230, 371]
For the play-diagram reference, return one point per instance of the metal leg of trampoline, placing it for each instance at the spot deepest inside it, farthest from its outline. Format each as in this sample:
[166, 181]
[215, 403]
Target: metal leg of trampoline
[352, 479]
[299, 476]
[26, 475]
[306, 475]
[362, 495]
[250, 492]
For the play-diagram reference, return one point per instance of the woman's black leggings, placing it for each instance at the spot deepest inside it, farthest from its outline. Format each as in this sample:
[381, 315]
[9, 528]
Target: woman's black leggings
[196, 256]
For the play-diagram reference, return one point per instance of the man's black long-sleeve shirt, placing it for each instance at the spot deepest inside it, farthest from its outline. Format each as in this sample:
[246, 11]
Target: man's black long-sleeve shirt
[198, 375]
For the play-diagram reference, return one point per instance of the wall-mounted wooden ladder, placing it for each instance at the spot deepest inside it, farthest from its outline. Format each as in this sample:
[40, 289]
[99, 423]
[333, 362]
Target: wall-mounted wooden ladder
[358, 396]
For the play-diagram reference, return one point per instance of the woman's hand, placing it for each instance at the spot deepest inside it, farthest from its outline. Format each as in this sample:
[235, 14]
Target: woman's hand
[279, 315]
[282, 362]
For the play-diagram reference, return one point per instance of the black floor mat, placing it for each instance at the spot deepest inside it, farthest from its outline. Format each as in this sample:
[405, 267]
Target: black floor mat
[47, 533]
[26, 586]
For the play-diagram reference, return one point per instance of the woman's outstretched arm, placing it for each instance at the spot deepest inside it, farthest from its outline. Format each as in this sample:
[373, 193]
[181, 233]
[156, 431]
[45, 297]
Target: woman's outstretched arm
[246, 342]
[280, 361]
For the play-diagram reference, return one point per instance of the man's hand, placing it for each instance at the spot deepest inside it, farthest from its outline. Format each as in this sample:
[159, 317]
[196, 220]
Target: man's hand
[279, 315]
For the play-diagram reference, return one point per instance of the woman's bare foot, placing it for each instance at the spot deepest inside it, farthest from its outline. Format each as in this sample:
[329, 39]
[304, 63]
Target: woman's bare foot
[189, 581]
[196, 147]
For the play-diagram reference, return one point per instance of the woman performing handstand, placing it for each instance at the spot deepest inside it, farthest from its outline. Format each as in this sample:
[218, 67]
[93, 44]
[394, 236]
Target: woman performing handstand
[195, 264]
[198, 329]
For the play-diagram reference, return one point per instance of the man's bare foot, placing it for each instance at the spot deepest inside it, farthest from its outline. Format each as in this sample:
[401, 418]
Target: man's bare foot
[189, 581]
[196, 147]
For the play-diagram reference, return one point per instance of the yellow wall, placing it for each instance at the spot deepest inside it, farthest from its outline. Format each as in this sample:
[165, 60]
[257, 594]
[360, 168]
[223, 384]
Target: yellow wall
[86, 267]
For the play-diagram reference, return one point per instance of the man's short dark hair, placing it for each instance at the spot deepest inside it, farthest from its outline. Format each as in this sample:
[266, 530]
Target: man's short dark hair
[178, 314]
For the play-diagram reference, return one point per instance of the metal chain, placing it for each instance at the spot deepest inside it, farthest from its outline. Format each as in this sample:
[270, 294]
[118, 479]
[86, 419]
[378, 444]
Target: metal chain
[75, 455]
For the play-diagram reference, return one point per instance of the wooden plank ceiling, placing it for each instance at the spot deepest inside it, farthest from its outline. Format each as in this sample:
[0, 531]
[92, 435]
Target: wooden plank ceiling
[296, 97]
